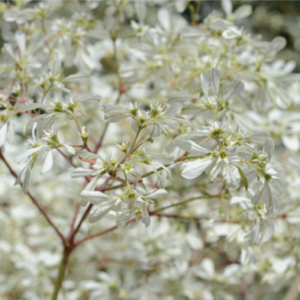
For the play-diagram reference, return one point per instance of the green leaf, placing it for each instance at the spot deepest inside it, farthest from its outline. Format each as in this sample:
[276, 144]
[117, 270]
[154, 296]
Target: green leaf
[243, 176]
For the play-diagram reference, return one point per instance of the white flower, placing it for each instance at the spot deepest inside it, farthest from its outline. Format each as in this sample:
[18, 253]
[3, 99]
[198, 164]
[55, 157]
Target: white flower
[260, 225]
[160, 118]
[37, 151]
[240, 13]
[212, 80]
[57, 108]
[213, 163]
[270, 187]
[115, 113]
[206, 271]
[232, 33]
[33, 154]
[3, 132]
[139, 29]
[135, 204]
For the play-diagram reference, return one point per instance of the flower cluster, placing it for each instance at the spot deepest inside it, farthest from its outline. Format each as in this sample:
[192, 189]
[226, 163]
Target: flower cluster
[138, 115]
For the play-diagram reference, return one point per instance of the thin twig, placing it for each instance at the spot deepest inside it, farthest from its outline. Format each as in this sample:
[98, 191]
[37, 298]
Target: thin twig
[76, 243]
[77, 207]
[33, 199]
[175, 216]
[71, 163]
[113, 187]
[86, 213]
[74, 220]
[293, 292]
[23, 92]
[67, 158]
[99, 144]
[181, 203]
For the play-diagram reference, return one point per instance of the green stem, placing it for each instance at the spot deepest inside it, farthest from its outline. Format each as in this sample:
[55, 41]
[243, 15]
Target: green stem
[194, 157]
[219, 60]
[133, 144]
[46, 92]
[61, 273]
[182, 203]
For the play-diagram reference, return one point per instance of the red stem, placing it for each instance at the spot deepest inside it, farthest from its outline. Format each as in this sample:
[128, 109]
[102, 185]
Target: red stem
[174, 216]
[74, 220]
[76, 243]
[99, 144]
[122, 90]
[77, 207]
[67, 158]
[70, 162]
[34, 200]
[87, 211]
[113, 187]
[23, 92]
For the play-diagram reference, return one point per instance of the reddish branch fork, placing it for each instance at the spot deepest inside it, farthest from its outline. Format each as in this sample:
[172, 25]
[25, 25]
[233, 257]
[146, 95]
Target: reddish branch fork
[69, 242]
[34, 200]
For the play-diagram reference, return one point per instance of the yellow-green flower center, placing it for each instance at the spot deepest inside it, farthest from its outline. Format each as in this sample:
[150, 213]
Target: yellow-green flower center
[127, 167]
[223, 155]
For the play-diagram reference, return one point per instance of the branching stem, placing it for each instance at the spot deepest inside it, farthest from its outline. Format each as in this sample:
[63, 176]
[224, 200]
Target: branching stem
[35, 202]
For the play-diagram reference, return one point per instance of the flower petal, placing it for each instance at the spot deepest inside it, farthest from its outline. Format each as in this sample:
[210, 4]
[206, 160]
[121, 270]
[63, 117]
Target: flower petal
[48, 163]
[80, 172]
[3, 132]
[193, 169]
[99, 213]
[94, 197]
